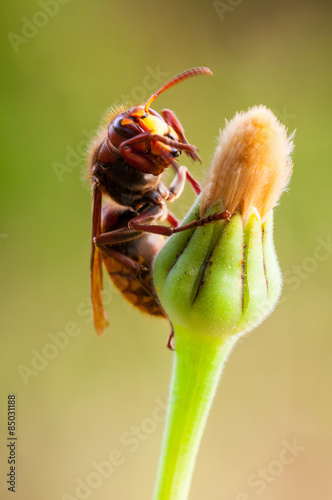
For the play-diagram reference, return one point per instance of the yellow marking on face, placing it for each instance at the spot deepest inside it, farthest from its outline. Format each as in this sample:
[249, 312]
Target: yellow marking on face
[156, 125]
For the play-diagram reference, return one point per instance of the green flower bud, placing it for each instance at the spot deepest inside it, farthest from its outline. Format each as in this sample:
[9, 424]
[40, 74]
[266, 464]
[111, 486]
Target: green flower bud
[219, 280]
[222, 278]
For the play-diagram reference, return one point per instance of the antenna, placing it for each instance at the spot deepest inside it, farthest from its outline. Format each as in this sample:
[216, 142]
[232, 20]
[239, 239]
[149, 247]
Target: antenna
[201, 70]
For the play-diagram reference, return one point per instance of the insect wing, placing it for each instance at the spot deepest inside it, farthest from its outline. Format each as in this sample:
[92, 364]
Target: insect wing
[99, 315]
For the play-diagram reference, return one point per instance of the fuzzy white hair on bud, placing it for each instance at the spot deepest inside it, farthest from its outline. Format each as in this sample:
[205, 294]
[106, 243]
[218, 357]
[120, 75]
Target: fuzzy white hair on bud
[252, 164]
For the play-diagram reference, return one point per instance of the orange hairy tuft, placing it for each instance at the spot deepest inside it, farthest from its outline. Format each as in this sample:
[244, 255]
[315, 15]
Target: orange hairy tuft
[252, 164]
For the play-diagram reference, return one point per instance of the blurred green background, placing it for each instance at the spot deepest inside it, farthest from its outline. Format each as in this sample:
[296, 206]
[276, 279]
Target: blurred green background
[100, 399]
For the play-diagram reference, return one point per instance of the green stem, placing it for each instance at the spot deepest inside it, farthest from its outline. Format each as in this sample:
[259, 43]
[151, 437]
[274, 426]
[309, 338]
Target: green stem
[198, 362]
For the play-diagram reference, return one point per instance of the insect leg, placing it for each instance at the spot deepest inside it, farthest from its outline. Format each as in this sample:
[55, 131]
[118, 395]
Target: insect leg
[166, 154]
[226, 215]
[170, 343]
[149, 136]
[179, 181]
[177, 185]
[168, 231]
[174, 221]
[116, 236]
[125, 234]
[142, 222]
[141, 161]
[172, 120]
[194, 184]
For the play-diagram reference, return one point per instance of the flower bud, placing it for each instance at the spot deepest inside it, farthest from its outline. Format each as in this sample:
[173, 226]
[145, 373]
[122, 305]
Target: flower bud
[224, 278]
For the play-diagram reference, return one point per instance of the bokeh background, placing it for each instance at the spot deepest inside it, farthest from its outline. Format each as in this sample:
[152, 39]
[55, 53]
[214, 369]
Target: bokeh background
[100, 399]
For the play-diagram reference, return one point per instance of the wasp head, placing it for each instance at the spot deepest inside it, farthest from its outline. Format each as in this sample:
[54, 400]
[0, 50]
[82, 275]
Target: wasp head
[141, 131]
[137, 121]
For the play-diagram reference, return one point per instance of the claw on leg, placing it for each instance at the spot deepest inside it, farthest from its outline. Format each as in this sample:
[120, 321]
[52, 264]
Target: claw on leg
[170, 341]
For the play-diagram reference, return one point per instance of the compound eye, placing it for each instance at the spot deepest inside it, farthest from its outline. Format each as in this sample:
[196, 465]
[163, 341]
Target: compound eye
[127, 130]
[176, 153]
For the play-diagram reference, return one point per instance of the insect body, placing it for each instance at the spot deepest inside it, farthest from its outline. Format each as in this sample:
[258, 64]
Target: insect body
[128, 156]
[134, 280]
